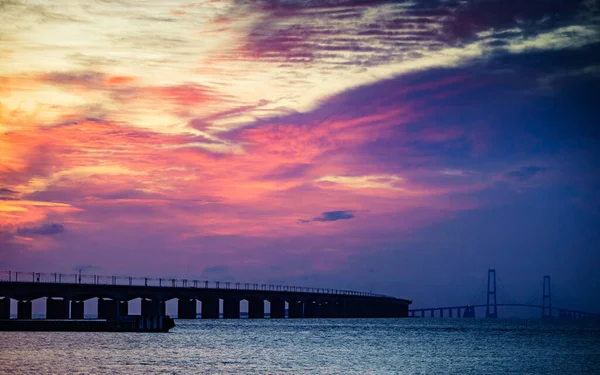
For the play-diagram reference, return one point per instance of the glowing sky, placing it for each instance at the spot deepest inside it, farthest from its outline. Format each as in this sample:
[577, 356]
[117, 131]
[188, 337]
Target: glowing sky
[393, 146]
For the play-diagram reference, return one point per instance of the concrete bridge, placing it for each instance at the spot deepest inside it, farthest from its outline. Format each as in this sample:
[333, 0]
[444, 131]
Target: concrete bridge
[65, 295]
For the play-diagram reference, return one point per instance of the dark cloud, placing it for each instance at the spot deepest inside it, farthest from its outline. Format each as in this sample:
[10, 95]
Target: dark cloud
[44, 230]
[525, 173]
[331, 216]
[533, 16]
[375, 32]
[6, 191]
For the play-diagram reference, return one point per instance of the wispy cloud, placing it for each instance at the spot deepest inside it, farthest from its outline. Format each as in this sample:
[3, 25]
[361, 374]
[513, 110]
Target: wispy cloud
[44, 230]
[526, 173]
[331, 216]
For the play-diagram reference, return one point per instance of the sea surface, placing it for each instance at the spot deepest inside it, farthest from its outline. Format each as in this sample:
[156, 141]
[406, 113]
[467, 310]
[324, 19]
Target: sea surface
[315, 346]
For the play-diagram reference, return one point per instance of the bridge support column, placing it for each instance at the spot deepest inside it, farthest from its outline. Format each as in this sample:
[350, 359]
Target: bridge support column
[256, 308]
[57, 308]
[110, 308]
[186, 308]
[231, 308]
[312, 309]
[458, 312]
[152, 307]
[374, 309]
[277, 309]
[338, 309]
[469, 312]
[77, 310]
[403, 309]
[24, 310]
[356, 309]
[383, 309]
[326, 310]
[5, 308]
[398, 310]
[210, 308]
[295, 310]
[441, 313]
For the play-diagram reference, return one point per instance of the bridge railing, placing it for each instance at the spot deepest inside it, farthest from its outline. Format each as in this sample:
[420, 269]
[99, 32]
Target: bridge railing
[81, 278]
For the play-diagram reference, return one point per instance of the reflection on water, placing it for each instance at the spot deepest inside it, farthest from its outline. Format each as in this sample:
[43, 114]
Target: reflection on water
[362, 346]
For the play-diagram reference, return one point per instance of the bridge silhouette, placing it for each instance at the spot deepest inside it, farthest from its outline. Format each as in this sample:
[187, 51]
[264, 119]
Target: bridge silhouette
[66, 293]
[491, 306]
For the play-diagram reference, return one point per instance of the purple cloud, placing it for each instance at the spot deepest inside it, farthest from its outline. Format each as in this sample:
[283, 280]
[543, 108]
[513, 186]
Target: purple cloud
[331, 216]
[43, 230]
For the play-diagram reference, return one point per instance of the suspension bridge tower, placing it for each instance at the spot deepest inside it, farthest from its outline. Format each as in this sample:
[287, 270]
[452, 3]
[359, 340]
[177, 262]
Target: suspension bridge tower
[546, 299]
[491, 310]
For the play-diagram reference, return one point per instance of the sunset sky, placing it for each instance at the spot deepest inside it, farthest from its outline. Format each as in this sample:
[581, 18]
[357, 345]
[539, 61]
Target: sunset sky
[399, 147]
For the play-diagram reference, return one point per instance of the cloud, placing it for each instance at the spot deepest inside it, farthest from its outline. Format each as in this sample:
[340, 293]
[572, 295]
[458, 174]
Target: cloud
[331, 216]
[534, 15]
[457, 172]
[525, 173]
[6, 191]
[43, 230]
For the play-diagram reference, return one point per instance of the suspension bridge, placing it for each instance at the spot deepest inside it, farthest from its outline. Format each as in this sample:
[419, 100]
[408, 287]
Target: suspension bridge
[491, 305]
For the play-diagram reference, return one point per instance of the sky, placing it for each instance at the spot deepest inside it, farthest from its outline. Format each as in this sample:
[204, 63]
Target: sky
[398, 147]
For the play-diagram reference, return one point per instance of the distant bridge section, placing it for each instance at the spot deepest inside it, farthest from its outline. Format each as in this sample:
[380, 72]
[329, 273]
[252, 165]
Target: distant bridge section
[491, 305]
[65, 295]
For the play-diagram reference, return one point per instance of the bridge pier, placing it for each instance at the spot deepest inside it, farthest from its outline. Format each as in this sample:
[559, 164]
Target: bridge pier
[326, 310]
[377, 309]
[5, 308]
[312, 309]
[431, 313]
[469, 312]
[449, 313]
[339, 309]
[357, 309]
[277, 309]
[231, 308]
[402, 310]
[295, 310]
[458, 312]
[111, 308]
[153, 307]
[210, 308]
[24, 310]
[441, 313]
[57, 308]
[256, 308]
[77, 310]
[186, 308]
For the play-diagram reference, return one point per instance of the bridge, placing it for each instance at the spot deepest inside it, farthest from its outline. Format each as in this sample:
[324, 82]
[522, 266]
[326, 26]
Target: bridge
[66, 293]
[491, 305]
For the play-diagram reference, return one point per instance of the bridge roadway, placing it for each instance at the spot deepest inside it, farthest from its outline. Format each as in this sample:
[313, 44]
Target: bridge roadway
[469, 311]
[66, 300]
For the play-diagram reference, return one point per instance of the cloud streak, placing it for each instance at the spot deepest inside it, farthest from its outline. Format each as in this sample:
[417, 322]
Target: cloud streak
[331, 216]
[44, 230]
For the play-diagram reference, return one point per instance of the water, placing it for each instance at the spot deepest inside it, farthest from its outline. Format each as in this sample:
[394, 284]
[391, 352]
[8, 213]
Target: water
[362, 346]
